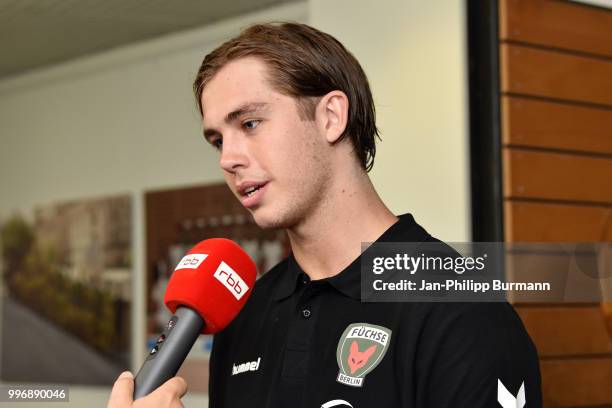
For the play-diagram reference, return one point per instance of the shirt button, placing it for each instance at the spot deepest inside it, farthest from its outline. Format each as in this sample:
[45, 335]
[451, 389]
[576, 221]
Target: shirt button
[306, 313]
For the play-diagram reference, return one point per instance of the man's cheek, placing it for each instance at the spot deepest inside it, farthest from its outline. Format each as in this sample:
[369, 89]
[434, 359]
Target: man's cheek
[231, 185]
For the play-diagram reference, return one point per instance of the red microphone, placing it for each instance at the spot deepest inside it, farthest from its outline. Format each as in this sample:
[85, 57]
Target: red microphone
[208, 288]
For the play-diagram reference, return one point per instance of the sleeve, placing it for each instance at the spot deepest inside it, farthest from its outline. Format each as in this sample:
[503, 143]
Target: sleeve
[216, 383]
[212, 376]
[476, 355]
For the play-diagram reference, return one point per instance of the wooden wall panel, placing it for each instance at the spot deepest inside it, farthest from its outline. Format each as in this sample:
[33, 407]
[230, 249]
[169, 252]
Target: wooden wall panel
[541, 124]
[573, 278]
[556, 84]
[560, 24]
[567, 330]
[552, 74]
[577, 382]
[556, 176]
[546, 222]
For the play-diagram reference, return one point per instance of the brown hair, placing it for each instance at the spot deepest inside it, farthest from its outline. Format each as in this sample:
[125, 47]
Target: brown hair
[306, 64]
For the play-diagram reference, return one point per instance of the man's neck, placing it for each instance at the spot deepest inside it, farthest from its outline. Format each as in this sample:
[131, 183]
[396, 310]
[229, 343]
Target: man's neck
[330, 238]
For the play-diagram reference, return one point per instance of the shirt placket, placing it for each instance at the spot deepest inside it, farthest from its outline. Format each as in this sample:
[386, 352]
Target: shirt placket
[299, 349]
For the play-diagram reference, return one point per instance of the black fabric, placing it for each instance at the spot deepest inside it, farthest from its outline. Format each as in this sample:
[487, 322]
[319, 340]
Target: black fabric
[440, 354]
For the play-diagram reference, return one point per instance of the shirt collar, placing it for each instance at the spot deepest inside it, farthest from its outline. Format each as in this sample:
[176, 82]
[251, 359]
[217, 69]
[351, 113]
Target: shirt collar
[348, 281]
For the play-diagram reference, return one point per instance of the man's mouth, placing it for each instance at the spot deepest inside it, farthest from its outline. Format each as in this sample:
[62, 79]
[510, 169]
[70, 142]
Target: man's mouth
[251, 190]
[251, 193]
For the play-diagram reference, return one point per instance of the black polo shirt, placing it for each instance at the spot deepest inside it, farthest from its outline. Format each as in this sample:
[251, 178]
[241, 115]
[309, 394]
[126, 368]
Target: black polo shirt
[303, 343]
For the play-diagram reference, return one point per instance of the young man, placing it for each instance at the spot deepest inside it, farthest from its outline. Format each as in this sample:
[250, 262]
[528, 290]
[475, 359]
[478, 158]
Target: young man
[292, 115]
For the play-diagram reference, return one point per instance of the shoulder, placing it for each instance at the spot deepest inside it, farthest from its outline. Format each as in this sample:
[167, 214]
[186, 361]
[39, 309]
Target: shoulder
[479, 343]
[484, 311]
[487, 326]
[476, 320]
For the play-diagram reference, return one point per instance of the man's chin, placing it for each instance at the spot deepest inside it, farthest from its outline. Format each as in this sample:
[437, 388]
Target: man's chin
[266, 221]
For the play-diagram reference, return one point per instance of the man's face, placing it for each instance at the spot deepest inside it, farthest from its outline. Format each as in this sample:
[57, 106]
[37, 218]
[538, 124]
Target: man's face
[276, 163]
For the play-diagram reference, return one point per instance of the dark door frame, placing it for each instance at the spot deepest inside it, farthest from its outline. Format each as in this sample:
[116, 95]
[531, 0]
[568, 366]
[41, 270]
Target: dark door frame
[485, 121]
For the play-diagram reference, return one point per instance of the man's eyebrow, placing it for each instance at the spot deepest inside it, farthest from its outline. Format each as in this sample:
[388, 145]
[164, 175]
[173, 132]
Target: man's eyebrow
[242, 110]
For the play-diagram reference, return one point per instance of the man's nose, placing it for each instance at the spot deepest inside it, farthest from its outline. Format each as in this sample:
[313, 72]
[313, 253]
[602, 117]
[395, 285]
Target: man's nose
[233, 154]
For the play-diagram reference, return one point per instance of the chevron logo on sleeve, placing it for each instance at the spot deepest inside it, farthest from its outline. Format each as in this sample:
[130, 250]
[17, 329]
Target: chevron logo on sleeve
[507, 400]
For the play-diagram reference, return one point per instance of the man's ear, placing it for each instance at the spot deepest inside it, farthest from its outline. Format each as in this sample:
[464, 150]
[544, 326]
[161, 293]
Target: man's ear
[332, 115]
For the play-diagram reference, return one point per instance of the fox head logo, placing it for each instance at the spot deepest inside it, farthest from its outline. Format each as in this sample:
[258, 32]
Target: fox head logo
[360, 349]
[358, 359]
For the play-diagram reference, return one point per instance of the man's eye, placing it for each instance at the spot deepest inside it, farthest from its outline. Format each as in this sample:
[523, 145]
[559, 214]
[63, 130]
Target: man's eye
[251, 124]
[217, 143]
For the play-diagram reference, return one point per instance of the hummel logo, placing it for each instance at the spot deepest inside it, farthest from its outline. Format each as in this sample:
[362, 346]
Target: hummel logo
[507, 400]
[244, 367]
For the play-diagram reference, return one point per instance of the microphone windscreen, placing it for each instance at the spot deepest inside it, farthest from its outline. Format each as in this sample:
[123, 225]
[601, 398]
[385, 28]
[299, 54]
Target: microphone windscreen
[214, 279]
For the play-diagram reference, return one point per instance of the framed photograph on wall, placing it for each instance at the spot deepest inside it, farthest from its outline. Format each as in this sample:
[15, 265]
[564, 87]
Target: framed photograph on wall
[67, 292]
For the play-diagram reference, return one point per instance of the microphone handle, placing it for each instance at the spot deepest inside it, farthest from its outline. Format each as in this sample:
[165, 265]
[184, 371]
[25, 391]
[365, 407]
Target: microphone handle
[166, 357]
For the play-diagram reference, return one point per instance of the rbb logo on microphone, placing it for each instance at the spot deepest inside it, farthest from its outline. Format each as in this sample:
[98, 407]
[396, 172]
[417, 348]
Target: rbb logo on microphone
[191, 261]
[231, 280]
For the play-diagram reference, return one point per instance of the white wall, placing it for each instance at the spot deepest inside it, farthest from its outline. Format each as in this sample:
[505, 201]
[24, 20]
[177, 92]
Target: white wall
[125, 121]
[414, 54]
[121, 121]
